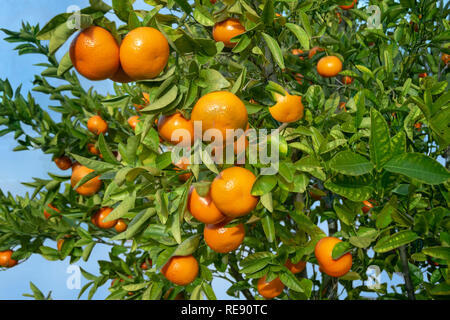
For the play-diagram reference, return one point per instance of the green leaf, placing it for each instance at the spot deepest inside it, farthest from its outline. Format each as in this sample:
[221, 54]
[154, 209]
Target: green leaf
[212, 80]
[340, 249]
[418, 166]
[188, 246]
[122, 208]
[394, 241]
[268, 227]
[380, 142]
[301, 35]
[105, 151]
[203, 16]
[163, 101]
[62, 32]
[264, 184]
[65, 64]
[122, 9]
[274, 48]
[350, 163]
[354, 188]
[438, 252]
[291, 281]
[268, 13]
[184, 4]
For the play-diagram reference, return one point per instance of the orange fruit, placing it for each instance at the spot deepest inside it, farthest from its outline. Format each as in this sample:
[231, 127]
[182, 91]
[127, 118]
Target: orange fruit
[59, 244]
[183, 164]
[289, 108]
[93, 149]
[121, 225]
[132, 121]
[212, 1]
[100, 215]
[220, 110]
[221, 239]
[295, 268]
[47, 214]
[144, 53]
[418, 125]
[88, 188]
[342, 106]
[350, 6]
[298, 52]
[323, 252]
[445, 58]
[347, 80]
[95, 53]
[203, 208]
[146, 264]
[227, 29]
[313, 51]
[329, 66]
[63, 163]
[5, 259]
[167, 126]
[181, 270]
[121, 76]
[231, 192]
[423, 75]
[97, 125]
[146, 98]
[367, 206]
[338, 14]
[270, 290]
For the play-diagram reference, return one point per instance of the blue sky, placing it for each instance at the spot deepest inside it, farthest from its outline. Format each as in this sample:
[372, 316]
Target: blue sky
[17, 167]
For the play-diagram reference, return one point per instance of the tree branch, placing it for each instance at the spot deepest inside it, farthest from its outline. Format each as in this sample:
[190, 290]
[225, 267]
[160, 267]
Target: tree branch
[406, 275]
[235, 274]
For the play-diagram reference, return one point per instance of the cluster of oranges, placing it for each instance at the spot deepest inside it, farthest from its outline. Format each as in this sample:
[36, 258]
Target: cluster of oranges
[142, 54]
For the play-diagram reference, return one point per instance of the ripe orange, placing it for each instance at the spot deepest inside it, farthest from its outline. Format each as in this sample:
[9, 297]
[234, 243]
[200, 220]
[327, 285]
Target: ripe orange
[5, 259]
[423, 75]
[289, 108]
[97, 125]
[95, 53]
[145, 265]
[295, 268]
[418, 125]
[350, 6]
[203, 208]
[270, 290]
[185, 129]
[121, 225]
[298, 52]
[183, 164]
[181, 270]
[227, 29]
[445, 58]
[146, 98]
[93, 149]
[59, 244]
[88, 188]
[342, 106]
[144, 53]
[121, 76]
[231, 192]
[367, 206]
[347, 80]
[313, 51]
[47, 214]
[329, 66]
[100, 215]
[132, 121]
[222, 239]
[323, 252]
[63, 163]
[220, 110]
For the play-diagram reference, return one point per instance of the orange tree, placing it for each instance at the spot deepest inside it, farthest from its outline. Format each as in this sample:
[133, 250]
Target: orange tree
[363, 115]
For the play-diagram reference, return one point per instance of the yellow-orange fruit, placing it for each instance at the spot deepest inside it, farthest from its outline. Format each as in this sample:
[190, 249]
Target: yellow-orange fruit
[95, 53]
[270, 290]
[203, 208]
[222, 239]
[227, 29]
[323, 252]
[181, 270]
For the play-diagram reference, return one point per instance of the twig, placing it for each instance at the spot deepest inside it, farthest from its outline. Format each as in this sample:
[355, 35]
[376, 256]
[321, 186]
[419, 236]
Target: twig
[406, 275]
